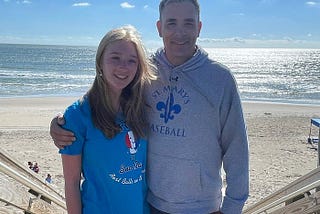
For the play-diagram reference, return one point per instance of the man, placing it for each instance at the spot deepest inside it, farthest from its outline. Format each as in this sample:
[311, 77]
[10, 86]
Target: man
[196, 123]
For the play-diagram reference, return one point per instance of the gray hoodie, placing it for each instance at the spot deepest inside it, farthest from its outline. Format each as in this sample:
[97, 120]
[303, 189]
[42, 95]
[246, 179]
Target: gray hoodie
[196, 124]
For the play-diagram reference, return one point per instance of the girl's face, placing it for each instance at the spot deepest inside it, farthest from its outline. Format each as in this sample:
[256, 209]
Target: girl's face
[119, 63]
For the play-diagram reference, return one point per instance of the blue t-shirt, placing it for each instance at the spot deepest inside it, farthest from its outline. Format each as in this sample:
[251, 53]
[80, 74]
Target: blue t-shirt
[113, 169]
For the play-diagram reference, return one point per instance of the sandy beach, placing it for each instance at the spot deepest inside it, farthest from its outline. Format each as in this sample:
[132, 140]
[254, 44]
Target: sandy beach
[279, 153]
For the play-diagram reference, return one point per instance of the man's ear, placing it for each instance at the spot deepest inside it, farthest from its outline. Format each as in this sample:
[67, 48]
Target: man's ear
[199, 28]
[159, 28]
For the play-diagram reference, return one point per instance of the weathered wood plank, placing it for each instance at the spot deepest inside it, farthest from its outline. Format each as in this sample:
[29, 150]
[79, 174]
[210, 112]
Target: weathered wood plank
[16, 185]
[306, 205]
[303, 181]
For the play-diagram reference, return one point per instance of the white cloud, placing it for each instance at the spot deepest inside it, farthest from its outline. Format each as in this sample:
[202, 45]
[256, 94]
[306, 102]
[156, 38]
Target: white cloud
[20, 2]
[267, 2]
[50, 40]
[238, 14]
[212, 40]
[313, 3]
[81, 4]
[126, 5]
[287, 38]
[146, 7]
[236, 42]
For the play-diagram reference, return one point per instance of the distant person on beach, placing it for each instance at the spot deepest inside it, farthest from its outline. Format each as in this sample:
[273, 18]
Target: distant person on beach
[196, 123]
[109, 124]
[30, 165]
[35, 167]
[48, 179]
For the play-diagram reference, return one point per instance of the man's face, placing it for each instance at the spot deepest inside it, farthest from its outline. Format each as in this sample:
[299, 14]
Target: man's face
[179, 28]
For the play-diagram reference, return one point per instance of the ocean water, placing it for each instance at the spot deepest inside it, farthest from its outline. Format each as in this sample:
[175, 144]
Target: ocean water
[272, 75]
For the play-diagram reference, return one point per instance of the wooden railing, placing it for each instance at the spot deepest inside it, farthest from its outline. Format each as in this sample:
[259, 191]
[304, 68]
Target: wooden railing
[21, 174]
[300, 196]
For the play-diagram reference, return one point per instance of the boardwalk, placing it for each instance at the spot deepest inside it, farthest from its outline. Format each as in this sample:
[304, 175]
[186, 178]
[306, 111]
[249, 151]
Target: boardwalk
[22, 191]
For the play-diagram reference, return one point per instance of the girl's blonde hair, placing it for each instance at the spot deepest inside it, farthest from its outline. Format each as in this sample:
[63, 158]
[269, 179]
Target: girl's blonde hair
[131, 100]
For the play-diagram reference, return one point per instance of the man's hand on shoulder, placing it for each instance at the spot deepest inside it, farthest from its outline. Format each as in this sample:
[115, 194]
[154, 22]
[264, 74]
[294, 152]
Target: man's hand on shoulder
[60, 136]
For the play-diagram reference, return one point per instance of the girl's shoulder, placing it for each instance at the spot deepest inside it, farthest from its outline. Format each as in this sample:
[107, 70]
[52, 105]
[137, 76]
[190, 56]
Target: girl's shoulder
[80, 106]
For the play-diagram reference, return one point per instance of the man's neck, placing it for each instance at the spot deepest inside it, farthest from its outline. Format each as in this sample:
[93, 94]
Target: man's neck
[176, 61]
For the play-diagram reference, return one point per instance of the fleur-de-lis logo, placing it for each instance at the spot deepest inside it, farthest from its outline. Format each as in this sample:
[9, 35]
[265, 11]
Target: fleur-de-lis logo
[168, 108]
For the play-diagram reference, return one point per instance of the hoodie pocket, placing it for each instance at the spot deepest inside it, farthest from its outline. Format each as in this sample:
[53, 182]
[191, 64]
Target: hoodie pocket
[173, 179]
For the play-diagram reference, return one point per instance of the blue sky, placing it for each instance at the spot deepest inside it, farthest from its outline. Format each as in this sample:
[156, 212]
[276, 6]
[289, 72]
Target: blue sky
[226, 23]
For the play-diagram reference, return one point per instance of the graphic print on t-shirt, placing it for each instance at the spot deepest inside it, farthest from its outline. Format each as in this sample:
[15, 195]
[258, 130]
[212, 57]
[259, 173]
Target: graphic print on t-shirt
[131, 143]
[131, 169]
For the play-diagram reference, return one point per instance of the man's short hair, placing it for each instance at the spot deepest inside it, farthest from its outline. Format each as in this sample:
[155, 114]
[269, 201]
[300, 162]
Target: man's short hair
[164, 3]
